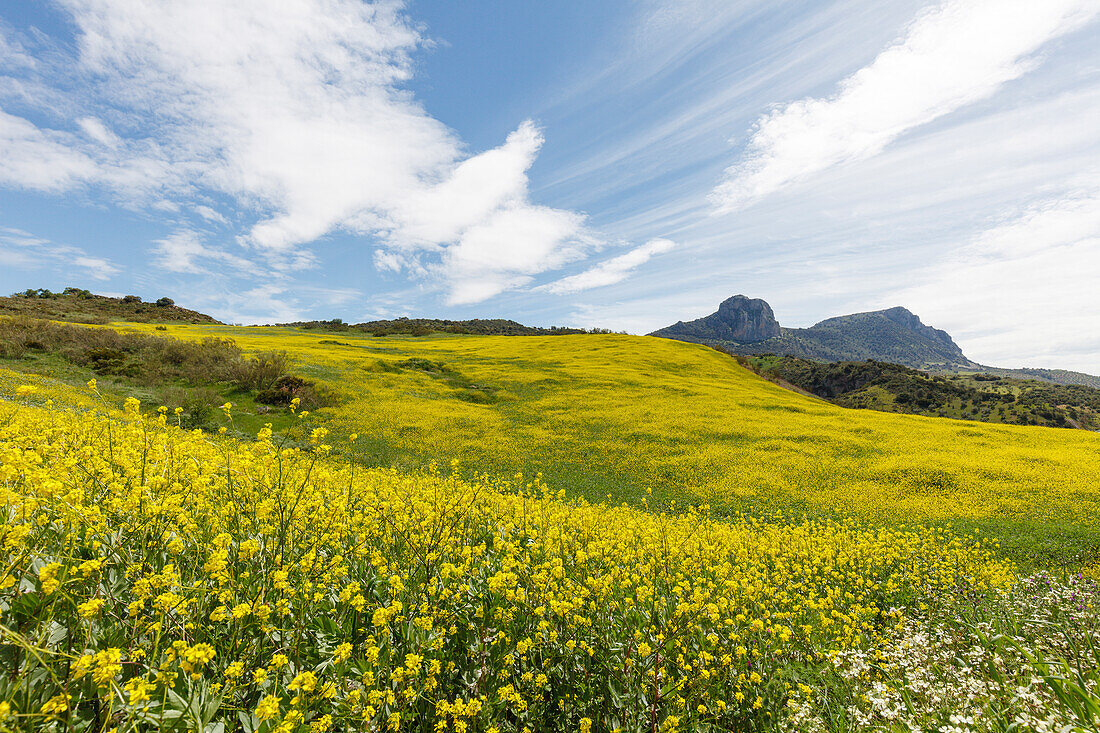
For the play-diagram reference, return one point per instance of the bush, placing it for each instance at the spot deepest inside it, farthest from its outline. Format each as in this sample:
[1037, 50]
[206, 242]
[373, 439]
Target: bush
[288, 387]
[108, 361]
[131, 299]
[165, 302]
[260, 372]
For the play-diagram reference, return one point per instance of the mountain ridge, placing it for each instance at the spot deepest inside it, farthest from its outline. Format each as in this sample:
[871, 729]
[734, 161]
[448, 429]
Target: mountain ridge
[895, 335]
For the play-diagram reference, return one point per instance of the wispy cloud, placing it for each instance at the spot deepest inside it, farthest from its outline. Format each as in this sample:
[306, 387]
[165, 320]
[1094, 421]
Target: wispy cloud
[952, 55]
[22, 250]
[41, 160]
[1022, 293]
[610, 271]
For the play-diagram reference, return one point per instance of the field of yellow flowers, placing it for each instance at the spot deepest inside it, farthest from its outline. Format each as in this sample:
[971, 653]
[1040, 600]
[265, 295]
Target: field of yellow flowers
[158, 579]
[616, 417]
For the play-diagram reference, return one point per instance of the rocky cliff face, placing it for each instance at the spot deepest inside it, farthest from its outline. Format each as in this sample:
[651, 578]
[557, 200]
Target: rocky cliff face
[740, 319]
[746, 320]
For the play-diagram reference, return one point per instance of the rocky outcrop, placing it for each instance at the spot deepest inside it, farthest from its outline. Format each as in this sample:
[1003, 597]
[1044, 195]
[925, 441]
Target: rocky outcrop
[739, 319]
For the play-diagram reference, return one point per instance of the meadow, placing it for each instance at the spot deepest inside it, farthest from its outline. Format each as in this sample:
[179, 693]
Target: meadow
[566, 533]
[646, 420]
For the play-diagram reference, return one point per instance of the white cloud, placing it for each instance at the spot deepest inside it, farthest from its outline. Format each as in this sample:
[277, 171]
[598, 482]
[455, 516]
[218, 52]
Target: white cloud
[611, 271]
[294, 109]
[953, 54]
[97, 131]
[209, 214]
[1023, 292]
[182, 251]
[25, 251]
[42, 160]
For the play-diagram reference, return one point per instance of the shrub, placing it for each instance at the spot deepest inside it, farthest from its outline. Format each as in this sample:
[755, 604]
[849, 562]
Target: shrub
[259, 372]
[165, 302]
[104, 360]
[289, 387]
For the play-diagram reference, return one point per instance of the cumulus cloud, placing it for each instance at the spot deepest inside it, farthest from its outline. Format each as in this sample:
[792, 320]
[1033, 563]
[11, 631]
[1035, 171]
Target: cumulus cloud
[1022, 293]
[611, 271]
[953, 54]
[296, 111]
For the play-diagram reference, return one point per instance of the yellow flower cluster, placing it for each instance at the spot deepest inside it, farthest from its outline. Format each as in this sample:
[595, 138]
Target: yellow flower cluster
[189, 575]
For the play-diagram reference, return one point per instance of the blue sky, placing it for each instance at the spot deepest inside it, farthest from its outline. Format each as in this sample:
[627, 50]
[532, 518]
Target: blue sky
[615, 164]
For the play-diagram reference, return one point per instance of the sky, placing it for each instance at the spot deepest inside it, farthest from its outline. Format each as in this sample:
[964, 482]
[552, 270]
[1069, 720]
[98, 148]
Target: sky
[623, 164]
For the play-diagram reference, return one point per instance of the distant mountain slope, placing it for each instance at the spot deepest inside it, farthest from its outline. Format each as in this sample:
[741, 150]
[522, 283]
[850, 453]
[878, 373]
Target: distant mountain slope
[886, 387]
[1054, 376]
[746, 326]
[81, 306]
[425, 326]
[894, 335]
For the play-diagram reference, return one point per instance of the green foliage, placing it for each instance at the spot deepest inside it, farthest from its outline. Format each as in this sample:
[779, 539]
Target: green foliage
[77, 305]
[161, 361]
[427, 326]
[894, 388]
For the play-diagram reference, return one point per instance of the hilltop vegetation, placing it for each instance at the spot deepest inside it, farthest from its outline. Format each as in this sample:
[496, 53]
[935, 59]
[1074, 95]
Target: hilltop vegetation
[82, 306]
[195, 375]
[426, 326]
[894, 388]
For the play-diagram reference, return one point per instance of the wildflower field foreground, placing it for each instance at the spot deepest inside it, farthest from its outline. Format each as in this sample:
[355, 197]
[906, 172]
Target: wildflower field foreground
[159, 579]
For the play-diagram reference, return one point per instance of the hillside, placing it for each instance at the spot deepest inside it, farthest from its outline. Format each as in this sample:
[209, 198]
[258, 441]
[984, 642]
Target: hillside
[616, 416]
[542, 518]
[81, 306]
[1054, 376]
[895, 388]
[746, 326]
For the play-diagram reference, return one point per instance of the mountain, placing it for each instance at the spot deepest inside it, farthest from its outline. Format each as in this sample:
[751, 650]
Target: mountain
[746, 327]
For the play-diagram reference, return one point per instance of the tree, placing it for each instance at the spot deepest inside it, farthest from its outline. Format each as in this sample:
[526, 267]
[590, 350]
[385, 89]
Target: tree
[131, 299]
[165, 302]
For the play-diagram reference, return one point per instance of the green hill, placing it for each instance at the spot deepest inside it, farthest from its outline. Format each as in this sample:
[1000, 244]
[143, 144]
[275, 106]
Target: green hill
[81, 306]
